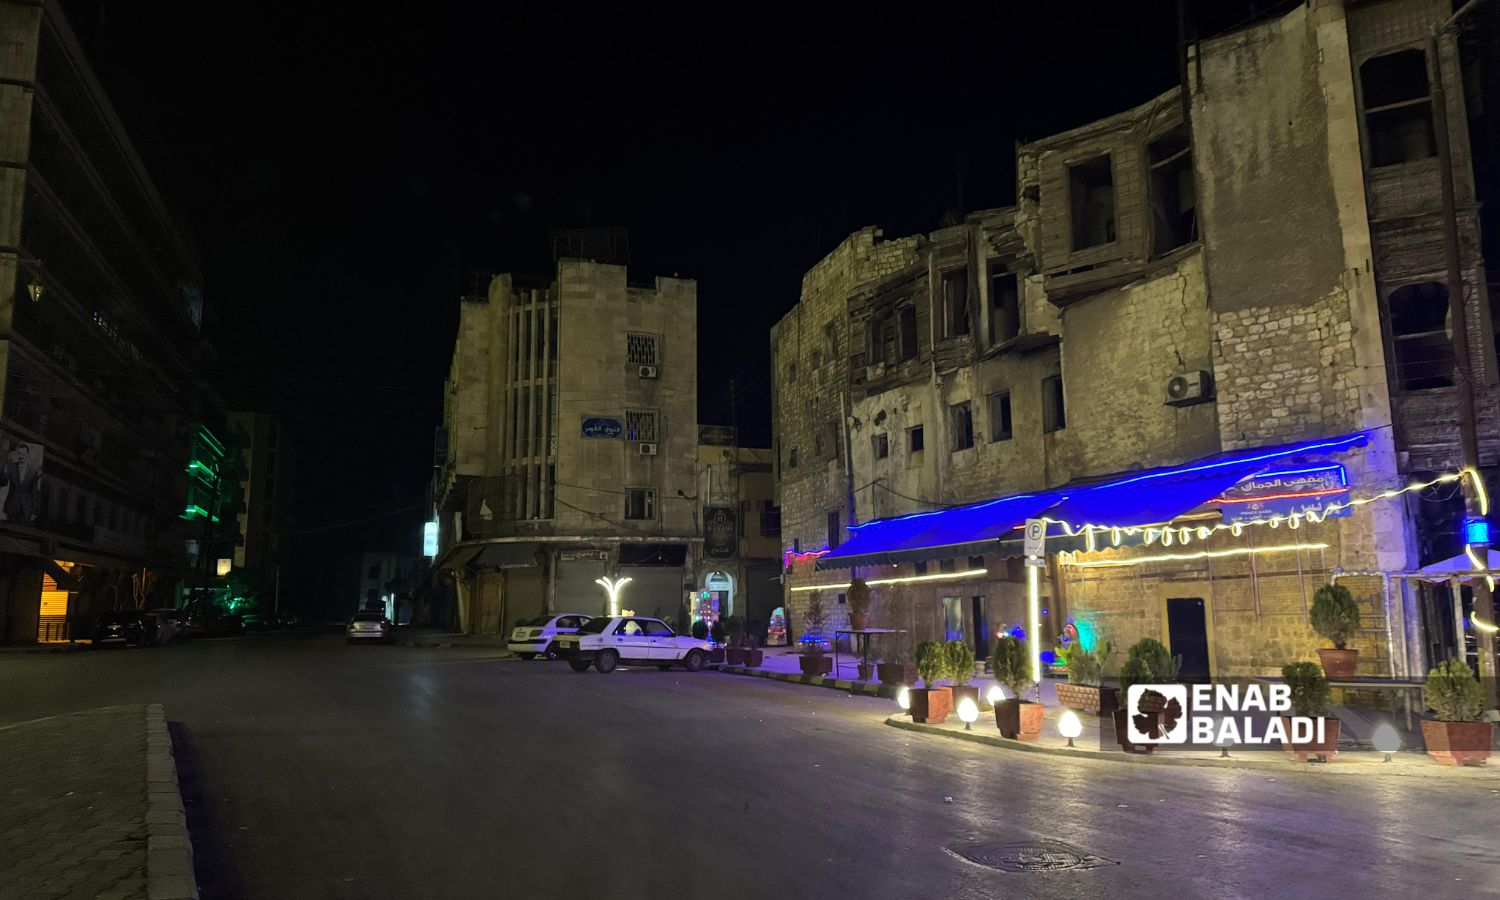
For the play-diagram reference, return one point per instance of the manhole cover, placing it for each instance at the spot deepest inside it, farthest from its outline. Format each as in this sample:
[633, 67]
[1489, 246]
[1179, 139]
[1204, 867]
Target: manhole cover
[1031, 856]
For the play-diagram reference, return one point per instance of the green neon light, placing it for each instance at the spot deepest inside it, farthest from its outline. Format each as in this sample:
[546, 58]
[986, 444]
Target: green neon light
[212, 441]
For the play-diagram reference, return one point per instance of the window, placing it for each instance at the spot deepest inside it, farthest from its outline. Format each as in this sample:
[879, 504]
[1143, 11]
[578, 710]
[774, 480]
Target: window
[880, 445]
[630, 628]
[1091, 195]
[791, 373]
[835, 533]
[770, 521]
[828, 440]
[919, 568]
[947, 565]
[791, 458]
[831, 340]
[1398, 108]
[907, 320]
[961, 419]
[976, 562]
[656, 628]
[817, 358]
[1174, 215]
[1054, 416]
[953, 618]
[640, 425]
[640, 503]
[1000, 416]
[956, 303]
[1423, 349]
[640, 349]
[1005, 305]
[914, 439]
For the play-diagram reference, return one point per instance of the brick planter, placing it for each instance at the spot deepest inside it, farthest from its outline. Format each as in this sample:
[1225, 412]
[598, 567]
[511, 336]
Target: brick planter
[895, 673]
[1457, 743]
[1090, 699]
[1323, 750]
[815, 665]
[1019, 719]
[931, 706]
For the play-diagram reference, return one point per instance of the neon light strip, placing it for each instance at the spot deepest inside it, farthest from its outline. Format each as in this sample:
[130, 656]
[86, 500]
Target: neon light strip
[1291, 496]
[1481, 625]
[803, 557]
[1175, 557]
[1343, 475]
[909, 579]
[1479, 566]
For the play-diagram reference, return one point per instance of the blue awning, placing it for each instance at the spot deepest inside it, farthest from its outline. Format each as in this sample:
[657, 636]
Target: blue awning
[1146, 497]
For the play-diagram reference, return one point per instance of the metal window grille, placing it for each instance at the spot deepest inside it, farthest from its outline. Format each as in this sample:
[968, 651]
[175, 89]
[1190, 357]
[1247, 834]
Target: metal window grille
[640, 349]
[640, 425]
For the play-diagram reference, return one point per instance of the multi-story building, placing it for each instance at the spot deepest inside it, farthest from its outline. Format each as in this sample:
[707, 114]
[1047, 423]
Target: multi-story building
[570, 424]
[100, 312]
[1225, 310]
[739, 566]
[265, 489]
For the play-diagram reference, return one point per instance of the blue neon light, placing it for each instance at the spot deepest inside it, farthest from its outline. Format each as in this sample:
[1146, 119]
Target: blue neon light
[1476, 530]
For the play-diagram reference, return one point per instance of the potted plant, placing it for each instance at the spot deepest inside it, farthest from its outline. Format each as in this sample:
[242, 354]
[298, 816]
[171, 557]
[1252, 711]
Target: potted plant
[1085, 690]
[1017, 718]
[716, 635]
[734, 626]
[859, 605]
[814, 618]
[931, 704]
[1335, 617]
[897, 668]
[1147, 662]
[1455, 735]
[754, 658]
[1310, 695]
[958, 660]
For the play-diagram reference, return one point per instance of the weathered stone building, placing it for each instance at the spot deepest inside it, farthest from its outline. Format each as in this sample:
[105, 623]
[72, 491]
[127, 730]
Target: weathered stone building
[739, 563]
[1180, 289]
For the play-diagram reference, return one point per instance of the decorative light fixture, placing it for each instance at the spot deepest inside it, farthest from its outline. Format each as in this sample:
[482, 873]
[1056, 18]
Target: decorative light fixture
[223, 566]
[1175, 557]
[968, 710]
[1069, 726]
[1481, 625]
[1386, 740]
[995, 695]
[613, 586]
[908, 579]
[1223, 743]
[903, 700]
[35, 288]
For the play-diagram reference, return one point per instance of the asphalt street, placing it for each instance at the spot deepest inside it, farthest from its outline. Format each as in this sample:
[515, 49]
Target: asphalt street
[315, 769]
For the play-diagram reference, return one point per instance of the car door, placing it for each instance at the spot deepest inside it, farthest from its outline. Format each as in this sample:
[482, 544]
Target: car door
[663, 644]
[630, 641]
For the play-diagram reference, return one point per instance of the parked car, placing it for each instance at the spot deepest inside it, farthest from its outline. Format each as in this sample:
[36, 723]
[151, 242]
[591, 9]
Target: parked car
[289, 620]
[538, 636]
[171, 625]
[369, 626]
[119, 627]
[609, 641]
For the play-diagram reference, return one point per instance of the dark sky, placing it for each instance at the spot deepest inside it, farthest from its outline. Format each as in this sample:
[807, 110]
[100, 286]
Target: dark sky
[343, 173]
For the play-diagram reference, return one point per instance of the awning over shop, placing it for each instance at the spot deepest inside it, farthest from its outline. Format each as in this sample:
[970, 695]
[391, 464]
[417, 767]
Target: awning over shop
[1137, 498]
[1460, 566]
[507, 556]
[458, 557]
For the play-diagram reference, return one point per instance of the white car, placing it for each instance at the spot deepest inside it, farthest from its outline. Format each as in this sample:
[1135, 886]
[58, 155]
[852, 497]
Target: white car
[608, 641]
[538, 636]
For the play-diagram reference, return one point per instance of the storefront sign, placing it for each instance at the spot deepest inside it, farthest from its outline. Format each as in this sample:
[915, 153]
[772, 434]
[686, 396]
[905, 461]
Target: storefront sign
[430, 539]
[1285, 493]
[720, 532]
[602, 427]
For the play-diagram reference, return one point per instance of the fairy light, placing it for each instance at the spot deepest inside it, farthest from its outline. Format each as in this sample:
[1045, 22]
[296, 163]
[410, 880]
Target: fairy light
[1292, 496]
[1481, 625]
[907, 579]
[1180, 557]
[1479, 566]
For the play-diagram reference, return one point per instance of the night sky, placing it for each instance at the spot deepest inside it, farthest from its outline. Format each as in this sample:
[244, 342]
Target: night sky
[343, 174]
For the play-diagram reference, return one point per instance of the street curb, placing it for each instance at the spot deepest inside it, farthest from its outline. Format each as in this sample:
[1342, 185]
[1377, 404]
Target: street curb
[449, 644]
[1277, 764]
[863, 688]
[169, 849]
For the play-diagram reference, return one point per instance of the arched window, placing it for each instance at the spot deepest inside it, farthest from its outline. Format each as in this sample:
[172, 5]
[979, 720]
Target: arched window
[1398, 108]
[1423, 349]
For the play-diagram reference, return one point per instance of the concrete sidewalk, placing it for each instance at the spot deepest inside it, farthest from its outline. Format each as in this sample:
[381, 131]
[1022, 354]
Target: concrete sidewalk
[781, 664]
[90, 807]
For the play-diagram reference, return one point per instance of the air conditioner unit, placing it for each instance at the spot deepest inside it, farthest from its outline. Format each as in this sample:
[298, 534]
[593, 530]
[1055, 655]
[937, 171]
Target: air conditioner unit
[1189, 388]
[648, 371]
[648, 449]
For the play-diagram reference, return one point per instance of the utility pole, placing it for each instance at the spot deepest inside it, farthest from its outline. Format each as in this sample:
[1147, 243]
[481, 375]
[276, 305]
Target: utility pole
[739, 514]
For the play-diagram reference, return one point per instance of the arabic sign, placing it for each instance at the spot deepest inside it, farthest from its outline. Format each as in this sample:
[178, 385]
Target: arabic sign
[602, 427]
[720, 532]
[1285, 493]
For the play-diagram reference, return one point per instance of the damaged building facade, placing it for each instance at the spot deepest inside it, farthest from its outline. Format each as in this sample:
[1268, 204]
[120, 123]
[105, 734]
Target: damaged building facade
[1194, 315]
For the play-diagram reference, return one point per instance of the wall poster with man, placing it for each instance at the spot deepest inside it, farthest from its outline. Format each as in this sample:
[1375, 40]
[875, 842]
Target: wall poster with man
[20, 480]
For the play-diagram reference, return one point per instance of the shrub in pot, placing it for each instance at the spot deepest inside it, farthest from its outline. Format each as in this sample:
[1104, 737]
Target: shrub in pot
[958, 664]
[1335, 617]
[858, 598]
[1455, 735]
[754, 658]
[734, 626]
[1147, 662]
[1310, 696]
[699, 630]
[1016, 717]
[931, 704]
[1085, 690]
[814, 618]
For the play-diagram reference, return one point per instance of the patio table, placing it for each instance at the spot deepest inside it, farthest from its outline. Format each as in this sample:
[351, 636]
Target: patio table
[866, 633]
[1401, 690]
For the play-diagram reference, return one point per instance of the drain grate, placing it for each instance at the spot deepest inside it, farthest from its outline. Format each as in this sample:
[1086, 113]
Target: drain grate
[1031, 856]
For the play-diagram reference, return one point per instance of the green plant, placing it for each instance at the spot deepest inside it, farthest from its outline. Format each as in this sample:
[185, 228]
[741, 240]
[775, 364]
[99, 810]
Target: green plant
[1334, 614]
[958, 661]
[716, 631]
[1011, 665]
[1310, 690]
[1086, 667]
[700, 630]
[734, 626]
[1148, 662]
[1454, 693]
[930, 663]
[858, 597]
[814, 618]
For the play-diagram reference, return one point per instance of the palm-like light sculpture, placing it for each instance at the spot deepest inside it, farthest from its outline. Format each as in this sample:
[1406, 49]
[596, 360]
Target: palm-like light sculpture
[613, 586]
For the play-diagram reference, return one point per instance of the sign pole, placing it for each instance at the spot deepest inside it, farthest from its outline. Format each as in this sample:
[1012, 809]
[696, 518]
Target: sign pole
[1035, 548]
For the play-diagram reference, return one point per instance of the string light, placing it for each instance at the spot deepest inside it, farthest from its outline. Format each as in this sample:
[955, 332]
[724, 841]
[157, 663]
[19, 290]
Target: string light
[1179, 557]
[1482, 625]
[908, 579]
[1291, 496]
[791, 555]
[1479, 566]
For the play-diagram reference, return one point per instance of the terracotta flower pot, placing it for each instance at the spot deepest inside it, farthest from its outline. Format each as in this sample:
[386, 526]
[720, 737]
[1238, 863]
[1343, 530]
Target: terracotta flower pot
[1019, 719]
[961, 691]
[1458, 743]
[735, 656]
[895, 673]
[754, 659]
[1122, 732]
[1093, 700]
[859, 621]
[931, 706]
[815, 664]
[1323, 750]
[1338, 663]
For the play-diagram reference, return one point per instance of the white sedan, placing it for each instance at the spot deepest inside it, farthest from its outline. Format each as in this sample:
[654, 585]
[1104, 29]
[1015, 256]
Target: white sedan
[538, 636]
[608, 641]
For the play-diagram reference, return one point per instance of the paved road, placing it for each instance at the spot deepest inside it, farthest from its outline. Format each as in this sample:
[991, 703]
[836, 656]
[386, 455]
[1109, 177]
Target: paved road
[324, 771]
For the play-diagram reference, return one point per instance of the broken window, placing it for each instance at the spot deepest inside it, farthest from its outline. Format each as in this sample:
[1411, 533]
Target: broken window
[1398, 108]
[956, 303]
[961, 417]
[1419, 331]
[1091, 195]
[640, 503]
[1174, 201]
[831, 340]
[1054, 416]
[880, 445]
[914, 440]
[1005, 305]
[1000, 416]
[908, 319]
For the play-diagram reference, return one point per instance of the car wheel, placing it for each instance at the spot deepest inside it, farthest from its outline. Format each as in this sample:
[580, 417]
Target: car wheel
[694, 660]
[551, 650]
[606, 661]
[579, 665]
[527, 656]
[664, 666]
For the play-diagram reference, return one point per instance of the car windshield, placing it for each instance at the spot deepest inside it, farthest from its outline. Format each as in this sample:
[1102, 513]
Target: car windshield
[595, 626]
[536, 621]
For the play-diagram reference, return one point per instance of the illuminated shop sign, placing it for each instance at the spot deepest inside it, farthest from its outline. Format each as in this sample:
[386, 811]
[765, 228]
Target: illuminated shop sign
[1287, 492]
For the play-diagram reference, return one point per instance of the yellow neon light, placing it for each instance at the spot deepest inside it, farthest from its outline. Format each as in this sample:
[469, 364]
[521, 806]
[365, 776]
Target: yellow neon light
[1479, 566]
[1482, 625]
[1480, 492]
[1177, 557]
[908, 579]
